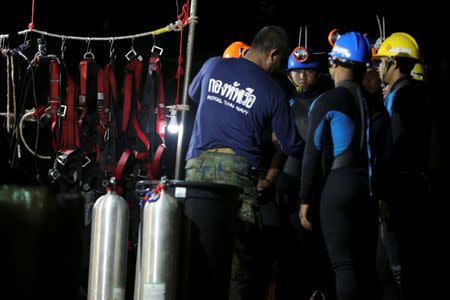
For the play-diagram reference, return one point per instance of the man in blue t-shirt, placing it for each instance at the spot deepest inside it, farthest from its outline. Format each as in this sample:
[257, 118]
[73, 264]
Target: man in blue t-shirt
[241, 108]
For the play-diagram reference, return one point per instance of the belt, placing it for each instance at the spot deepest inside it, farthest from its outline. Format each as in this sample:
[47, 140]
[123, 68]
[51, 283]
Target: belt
[222, 150]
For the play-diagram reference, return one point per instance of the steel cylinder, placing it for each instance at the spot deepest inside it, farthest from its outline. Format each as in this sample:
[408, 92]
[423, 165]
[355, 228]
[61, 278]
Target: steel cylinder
[159, 252]
[109, 246]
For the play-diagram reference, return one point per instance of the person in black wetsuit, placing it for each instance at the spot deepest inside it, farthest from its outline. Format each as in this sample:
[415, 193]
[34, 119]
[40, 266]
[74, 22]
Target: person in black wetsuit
[388, 266]
[339, 122]
[303, 263]
[407, 194]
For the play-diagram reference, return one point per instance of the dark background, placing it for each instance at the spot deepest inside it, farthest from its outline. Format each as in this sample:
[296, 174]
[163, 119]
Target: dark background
[222, 22]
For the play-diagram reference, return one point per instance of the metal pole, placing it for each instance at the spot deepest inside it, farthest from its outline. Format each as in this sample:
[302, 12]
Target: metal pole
[187, 76]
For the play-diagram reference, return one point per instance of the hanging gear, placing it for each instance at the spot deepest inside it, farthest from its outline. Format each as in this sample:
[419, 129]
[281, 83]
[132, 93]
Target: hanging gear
[54, 98]
[70, 138]
[141, 101]
[158, 99]
[107, 160]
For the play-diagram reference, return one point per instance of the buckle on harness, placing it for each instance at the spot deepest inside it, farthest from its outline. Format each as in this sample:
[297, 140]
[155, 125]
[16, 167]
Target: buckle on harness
[159, 50]
[130, 55]
[88, 161]
[53, 174]
[106, 135]
[89, 55]
[62, 158]
[82, 99]
[141, 174]
[62, 111]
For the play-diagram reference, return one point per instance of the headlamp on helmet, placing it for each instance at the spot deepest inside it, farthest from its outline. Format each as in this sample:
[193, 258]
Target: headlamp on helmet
[351, 47]
[302, 58]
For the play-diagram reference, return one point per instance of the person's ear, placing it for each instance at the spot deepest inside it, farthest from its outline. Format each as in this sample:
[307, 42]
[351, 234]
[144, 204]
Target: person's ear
[394, 63]
[273, 54]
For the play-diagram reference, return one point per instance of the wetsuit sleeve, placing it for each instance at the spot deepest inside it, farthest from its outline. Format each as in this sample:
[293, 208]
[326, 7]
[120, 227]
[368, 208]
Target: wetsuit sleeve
[410, 127]
[381, 148]
[311, 166]
[396, 122]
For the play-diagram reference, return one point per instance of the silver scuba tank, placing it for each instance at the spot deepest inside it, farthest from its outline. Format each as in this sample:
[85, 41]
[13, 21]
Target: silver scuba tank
[159, 248]
[109, 246]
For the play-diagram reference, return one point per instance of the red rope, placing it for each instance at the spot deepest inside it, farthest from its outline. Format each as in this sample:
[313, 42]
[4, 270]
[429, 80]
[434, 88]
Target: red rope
[183, 17]
[31, 25]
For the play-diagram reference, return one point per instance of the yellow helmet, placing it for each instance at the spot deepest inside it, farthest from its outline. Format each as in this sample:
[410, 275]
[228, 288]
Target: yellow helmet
[399, 44]
[419, 72]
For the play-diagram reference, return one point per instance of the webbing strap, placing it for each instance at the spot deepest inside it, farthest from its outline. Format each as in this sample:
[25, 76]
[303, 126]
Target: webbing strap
[134, 71]
[133, 80]
[102, 117]
[82, 97]
[126, 100]
[53, 99]
[157, 159]
[110, 86]
[160, 125]
[70, 137]
[142, 138]
[121, 164]
[110, 100]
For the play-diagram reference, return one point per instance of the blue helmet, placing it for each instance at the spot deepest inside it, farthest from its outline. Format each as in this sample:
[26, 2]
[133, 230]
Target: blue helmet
[301, 58]
[352, 46]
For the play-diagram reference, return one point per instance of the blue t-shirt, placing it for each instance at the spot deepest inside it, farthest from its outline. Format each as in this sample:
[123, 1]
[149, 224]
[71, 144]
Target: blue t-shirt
[238, 101]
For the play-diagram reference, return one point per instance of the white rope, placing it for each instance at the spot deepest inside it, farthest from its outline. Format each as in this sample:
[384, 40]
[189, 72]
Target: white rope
[82, 38]
[22, 138]
[9, 82]
[171, 27]
[13, 93]
[8, 95]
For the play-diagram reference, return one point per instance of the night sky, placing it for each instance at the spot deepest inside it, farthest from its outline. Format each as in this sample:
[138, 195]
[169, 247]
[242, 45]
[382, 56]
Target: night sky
[222, 22]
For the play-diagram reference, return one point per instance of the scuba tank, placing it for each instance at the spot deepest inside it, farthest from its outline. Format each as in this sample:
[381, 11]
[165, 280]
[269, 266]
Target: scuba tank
[109, 246]
[159, 242]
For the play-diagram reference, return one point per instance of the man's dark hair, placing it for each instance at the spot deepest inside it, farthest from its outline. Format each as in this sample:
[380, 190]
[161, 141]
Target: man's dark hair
[271, 37]
[358, 68]
[405, 64]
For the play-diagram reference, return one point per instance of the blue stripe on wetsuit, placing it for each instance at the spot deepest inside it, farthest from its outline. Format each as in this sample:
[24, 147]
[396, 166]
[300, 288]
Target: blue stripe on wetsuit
[342, 131]
[389, 102]
[368, 146]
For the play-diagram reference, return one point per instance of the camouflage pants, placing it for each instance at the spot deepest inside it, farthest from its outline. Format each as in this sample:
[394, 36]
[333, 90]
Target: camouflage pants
[235, 170]
[228, 169]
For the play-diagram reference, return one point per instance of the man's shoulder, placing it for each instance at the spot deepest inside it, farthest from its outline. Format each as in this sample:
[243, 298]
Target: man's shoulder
[333, 94]
[413, 90]
[211, 61]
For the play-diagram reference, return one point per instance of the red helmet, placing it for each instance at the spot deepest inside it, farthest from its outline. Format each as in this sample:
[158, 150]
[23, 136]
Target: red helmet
[236, 50]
